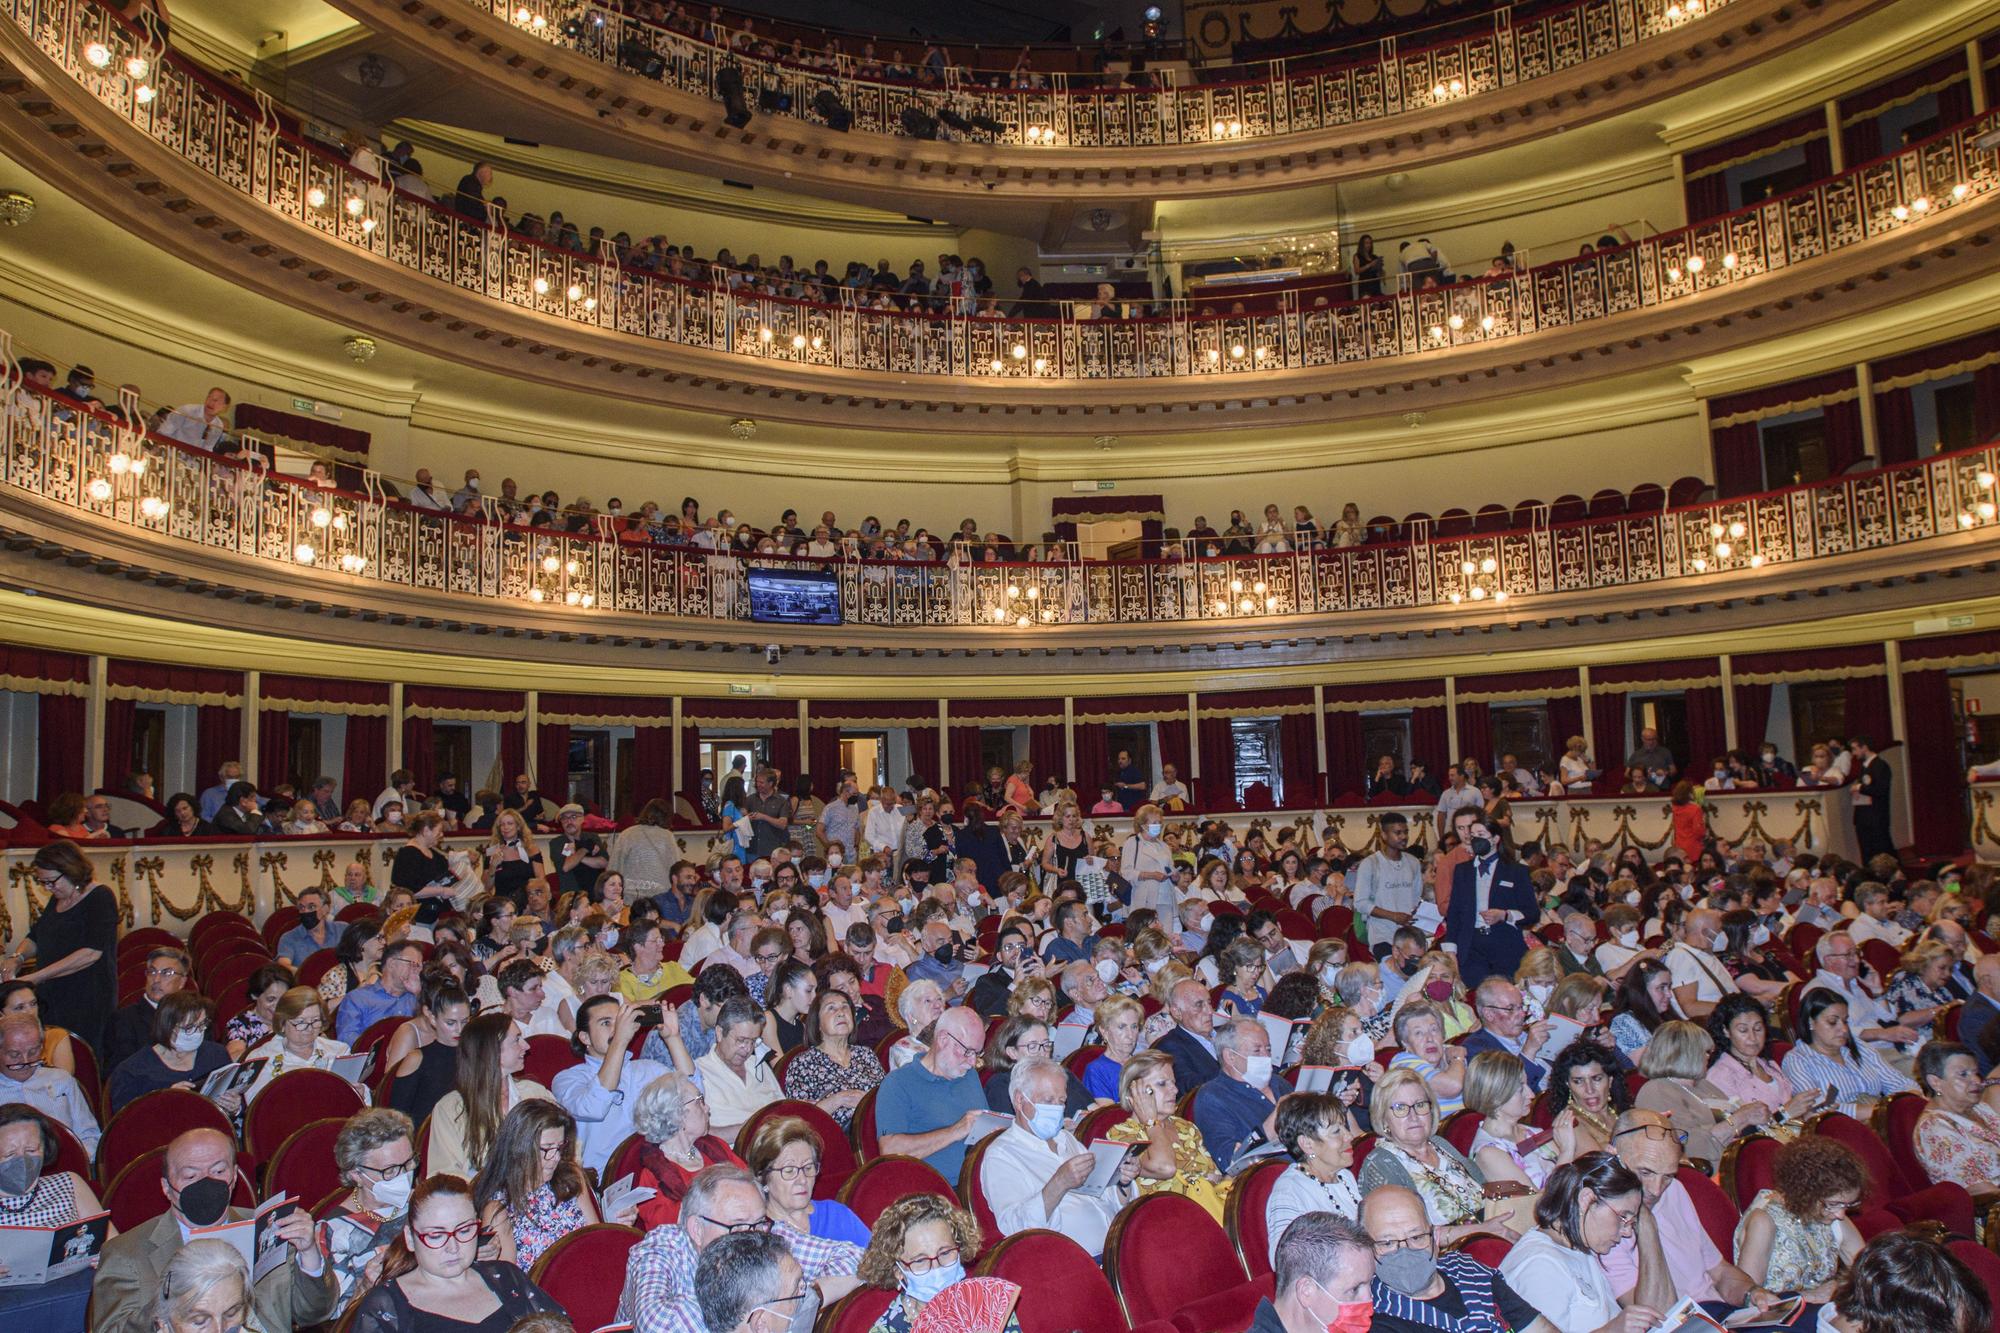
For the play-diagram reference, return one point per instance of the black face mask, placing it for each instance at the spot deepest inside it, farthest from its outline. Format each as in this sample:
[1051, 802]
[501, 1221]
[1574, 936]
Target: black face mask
[309, 920]
[204, 1202]
[942, 953]
[1482, 847]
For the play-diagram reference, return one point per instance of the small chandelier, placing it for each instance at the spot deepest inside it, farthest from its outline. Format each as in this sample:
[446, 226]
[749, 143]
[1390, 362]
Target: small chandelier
[1726, 543]
[1482, 582]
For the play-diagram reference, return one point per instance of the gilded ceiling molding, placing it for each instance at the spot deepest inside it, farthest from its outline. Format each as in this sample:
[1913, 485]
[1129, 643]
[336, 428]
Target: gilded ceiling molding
[1386, 705]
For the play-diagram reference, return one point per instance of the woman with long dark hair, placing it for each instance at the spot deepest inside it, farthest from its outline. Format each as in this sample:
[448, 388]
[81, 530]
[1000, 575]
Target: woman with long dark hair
[432, 1280]
[1645, 1000]
[467, 1119]
[531, 1192]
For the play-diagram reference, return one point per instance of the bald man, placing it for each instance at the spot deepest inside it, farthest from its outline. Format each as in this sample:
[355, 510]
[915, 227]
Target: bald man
[1418, 1288]
[199, 1175]
[1699, 978]
[926, 1108]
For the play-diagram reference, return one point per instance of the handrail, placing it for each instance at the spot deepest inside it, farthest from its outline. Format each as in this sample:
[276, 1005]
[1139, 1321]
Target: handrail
[92, 462]
[246, 149]
[1353, 83]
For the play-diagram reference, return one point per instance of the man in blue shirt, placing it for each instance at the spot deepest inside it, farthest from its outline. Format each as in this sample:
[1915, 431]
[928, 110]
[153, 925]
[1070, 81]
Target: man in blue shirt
[1072, 942]
[1241, 1103]
[315, 931]
[926, 1108]
[391, 995]
[602, 1091]
[1977, 1027]
[212, 800]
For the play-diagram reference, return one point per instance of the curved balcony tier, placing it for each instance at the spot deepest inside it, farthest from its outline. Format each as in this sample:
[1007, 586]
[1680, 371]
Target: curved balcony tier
[1273, 125]
[214, 177]
[94, 494]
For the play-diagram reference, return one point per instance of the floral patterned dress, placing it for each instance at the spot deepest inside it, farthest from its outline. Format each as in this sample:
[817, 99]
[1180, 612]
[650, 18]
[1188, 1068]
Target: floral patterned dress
[1803, 1254]
[1192, 1165]
[542, 1222]
[813, 1076]
[1964, 1148]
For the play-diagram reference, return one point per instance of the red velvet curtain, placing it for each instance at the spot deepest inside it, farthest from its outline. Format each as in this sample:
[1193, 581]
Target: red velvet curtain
[59, 746]
[1607, 726]
[652, 766]
[925, 750]
[1172, 734]
[823, 759]
[1706, 168]
[1986, 402]
[1565, 720]
[552, 761]
[1844, 445]
[1346, 765]
[1298, 755]
[1868, 710]
[691, 767]
[1429, 740]
[1707, 197]
[1475, 734]
[364, 767]
[1093, 761]
[964, 754]
[218, 738]
[274, 748]
[1861, 141]
[120, 717]
[1739, 459]
[1753, 715]
[1936, 771]
[420, 756]
[1045, 747]
[1896, 426]
[1705, 731]
[513, 753]
[1217, 788]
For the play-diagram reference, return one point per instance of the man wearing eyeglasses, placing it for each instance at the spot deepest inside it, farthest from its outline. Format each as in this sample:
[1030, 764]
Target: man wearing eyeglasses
[1034, 1172]
[666, 1269]
[1419, 1287]
[1506, 1028]
[750, 1283]
[53, 1092]
[131, 1027]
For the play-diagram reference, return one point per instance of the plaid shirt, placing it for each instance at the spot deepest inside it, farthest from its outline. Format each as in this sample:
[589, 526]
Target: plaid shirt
[659, 1294]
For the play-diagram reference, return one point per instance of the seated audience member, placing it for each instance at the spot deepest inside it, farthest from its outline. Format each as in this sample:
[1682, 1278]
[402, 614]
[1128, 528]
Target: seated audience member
[1496, 1089]
[252, 1027]
[1645, 1000]
[662, 1275]
[1085, 988]
[1239, 1107]
[391, 995]
[1675, 1067]
[200, 1171]
[1503, 1012]
[316, 929]
[1872, 1023]
[1876, 919]
[531, 1192]
[919, 1248]
[1958, 1136]
[1033, 1173]
[131, 1027]
[1588, 1206]
[784, 1154]
[1173, 1160]
[1118, 1021]
[833, 1072]
[1324, 1268]
[698, 1017]
[488, 1086]
[357, 962]
[424, 1051]
[205, 1284]
[431, 1273]
[1921, 989]
[1740, 1029]
[1827, 1056]
[926, 1108]
[1649, 1147]
[1190, 1042]
[1419, 1029]
[734, 1081]
[1242, 968]
[672, 1119]
[376, 1155]
[792, 990]
[1976, 1026]
[19, 997]
[1319, 1138]
[34, 1193]
[1905, 1280]
[298, 1041]
[242, 814]
[1421, 1287]
[601, 1092]
[26, 1081]
[651, 973]
[1411, 1153]
[918, 1006]
[1795, 1236]
[1587, 1081]
[1021, 1038]
[180, 1055]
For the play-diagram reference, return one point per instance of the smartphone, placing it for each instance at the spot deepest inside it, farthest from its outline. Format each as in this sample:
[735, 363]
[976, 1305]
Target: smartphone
[651, 1015]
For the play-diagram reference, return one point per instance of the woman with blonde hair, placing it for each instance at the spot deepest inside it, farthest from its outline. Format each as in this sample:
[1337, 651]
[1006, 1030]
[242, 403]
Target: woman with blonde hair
[512, 860]
[918, 1248]
[1446, 992]
[1410, 1152]
[1146, 862]
[1675, 1063]
[298, 1040]
[1065, 846]
[1496, 1087]
[1174, 1160]
[1117, 1019]
[1033, 997]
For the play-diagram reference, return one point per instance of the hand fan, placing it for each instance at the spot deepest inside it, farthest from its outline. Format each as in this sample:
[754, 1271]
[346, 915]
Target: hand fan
[976, 1305]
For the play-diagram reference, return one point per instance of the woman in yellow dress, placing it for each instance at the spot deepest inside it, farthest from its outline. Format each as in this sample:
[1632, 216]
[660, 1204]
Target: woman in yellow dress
[1173, 1160]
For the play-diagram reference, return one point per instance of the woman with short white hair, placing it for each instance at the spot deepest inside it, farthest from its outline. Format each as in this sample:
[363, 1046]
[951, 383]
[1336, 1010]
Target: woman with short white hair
[206, 1287]
[919, 1006]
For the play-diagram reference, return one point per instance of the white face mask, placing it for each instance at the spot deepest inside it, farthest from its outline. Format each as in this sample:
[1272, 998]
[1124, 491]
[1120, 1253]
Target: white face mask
[189, 1039]
[1107, 969]
[1632, 898]
[1717, 941]
[1158, 963]
[1153, 830]
[1539, 991]
[1257, 1070]
[1760, 935]
[394, 1194]
[1328, 974]
[1207, 922]
[817, 879]
[607, 938]
[1629, 938]
[1360, 1050]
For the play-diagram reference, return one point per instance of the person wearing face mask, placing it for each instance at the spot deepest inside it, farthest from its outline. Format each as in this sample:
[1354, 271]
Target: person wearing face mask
[1579, 947]
[918, 1248]
[199, 1170]
[1147, 863]
[1033, 1172]
[376, 1155]
[1084, 986]
[181, 1055]
[1699, 978]
[33, 1193]
[1239, 1107]
[1419, 1288]
[1323, 1270]
[1621, 949]
[316, 929]
[1493, 903]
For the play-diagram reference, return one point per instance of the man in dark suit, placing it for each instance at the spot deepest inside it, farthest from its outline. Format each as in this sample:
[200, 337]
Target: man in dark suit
[1872, 780]
[1492, 904]
[1032, 300]
[1979, 1021]
[131, 1027]
[1188, 1041]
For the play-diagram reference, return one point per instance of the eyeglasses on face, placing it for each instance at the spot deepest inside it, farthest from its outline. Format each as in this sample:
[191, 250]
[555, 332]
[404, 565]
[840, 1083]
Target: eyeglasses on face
[1418, 1240]
[927, 1263]
[462, 1234]
[1043, 1048]
[396, 1172]
[755, 1224]
[798, 1171]
[1657, 1133]
[163, 972]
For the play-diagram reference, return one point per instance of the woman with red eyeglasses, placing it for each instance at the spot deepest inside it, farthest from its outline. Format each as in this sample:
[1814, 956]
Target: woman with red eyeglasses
[433, 1280]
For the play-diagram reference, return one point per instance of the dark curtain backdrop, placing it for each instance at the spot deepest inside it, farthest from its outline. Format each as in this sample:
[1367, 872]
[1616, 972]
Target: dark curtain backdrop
[513, 753]
[1093, 762]
[964, 753]
[1565, 721]
[823, 760]
[364, 764]
[1934, 769]
[1986, 402]
[1475, 734]
[1346, 765]
[1896, 426]
[1706, 168]
[691, 768]
[1868, 710]
[1607, 727]
[1739, 459]
[1705, 731]
[552, 761]
[420, 756]
[218, 738]
[1172, 734]
[652, 766]
[1298, 755]
[1844, 445]
[1753, 717]
[120, 718]
[1045, 748]
[1217, 788]
[1429, 741]
[274, 748]
[924, 752]
[59, 746]
[1707, 197]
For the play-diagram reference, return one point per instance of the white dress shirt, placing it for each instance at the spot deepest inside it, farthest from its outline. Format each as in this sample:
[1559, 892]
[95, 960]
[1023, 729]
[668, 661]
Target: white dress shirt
[1016, 1167]
[56, 1094]
[1690, 966]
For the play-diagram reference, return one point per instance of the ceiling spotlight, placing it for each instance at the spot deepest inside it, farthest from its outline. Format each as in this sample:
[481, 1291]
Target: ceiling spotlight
[1213, 356]
[1245, 606]
[523, 14]
[96, 54]
[1478, 593]
[1457, 597]
[1236, 585]
[1260, 587]
[1964, 519]
[999, 615]
[817, 342]
[1437, 332]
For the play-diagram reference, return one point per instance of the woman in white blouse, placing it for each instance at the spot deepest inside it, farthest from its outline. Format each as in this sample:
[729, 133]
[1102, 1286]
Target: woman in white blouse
[1319, 1138]
[296, 1040]
[1587, 1207]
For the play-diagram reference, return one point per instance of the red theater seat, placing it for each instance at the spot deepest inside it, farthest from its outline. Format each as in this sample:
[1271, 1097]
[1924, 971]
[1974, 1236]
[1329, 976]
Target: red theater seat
[1243, 1217]
[577, 1272]
[1062, 1288]
[1168, 1259]
[869, 1191]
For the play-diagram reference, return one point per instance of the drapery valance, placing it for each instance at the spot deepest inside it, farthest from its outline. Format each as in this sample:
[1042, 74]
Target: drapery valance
[1808, 665]
[1510, 686]
[148, 683]
[1757, 143]
[310, 435]
[1951, 652]
[33, 671]
[1392, 696]
[598, 710]
[885, 713]
[1686, 673]
[311, 694]
[440, 703]
[1101, 508]
[1777, 400]
[1255, 703]
[1132, 708]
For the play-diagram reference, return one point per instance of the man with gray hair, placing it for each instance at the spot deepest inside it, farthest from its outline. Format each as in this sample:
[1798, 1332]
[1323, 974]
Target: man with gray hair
[737, 932]
[1506, 1027]
[1699, 978]
[661, 1293]
[1325, 1268]
[1033, 1174]
[53, 1092]
[557, 1012]
[1239, 1107]
[750, 1283]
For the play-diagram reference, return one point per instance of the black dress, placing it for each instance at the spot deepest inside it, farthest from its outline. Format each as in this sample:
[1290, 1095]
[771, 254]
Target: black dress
[386, 1310]
[83, 1000]
[414, 870]
[146, 1072]
[511, 876]
[417, 1095]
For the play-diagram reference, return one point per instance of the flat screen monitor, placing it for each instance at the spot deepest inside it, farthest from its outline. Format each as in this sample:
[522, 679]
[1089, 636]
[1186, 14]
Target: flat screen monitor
[795, 596]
